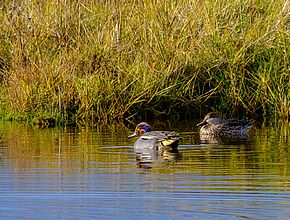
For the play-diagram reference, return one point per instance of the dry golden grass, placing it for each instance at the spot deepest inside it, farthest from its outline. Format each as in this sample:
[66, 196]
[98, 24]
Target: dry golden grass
[89, 61]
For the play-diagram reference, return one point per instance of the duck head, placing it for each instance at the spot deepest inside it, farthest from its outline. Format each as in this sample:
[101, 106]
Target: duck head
[210, 118]
[141, 129]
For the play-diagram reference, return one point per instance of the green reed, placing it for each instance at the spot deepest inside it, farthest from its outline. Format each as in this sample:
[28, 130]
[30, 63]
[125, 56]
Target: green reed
[83, 61]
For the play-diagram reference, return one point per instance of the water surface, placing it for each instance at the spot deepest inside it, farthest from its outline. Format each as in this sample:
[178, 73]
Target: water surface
[93, 173]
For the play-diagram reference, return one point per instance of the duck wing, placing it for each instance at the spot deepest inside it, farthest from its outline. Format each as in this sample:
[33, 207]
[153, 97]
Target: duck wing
[161, 135]
[237, 123]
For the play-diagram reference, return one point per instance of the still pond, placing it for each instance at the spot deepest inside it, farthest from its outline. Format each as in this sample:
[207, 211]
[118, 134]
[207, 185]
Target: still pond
[93, 173]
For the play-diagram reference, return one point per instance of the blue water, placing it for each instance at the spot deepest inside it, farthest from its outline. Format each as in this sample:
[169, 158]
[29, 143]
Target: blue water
[61, 173]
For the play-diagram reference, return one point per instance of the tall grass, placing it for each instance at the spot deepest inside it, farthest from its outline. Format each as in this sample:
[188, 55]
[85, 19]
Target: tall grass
[88, 60]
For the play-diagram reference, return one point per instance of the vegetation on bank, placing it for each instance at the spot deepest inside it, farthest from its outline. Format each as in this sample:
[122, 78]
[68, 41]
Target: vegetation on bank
[86, 60]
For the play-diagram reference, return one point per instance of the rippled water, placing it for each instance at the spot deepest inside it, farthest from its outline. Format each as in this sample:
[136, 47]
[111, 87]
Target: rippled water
[77, 173]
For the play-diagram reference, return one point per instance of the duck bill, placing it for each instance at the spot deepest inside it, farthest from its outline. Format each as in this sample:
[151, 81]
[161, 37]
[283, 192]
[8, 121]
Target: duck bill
[132, 135]
[201, 123]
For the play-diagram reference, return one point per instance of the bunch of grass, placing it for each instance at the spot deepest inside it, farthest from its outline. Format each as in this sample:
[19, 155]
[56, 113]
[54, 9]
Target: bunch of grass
[95, 61]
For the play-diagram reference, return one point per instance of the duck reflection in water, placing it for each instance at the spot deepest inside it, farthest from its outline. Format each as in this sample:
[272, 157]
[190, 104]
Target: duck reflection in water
[223, 131]
[154, 146]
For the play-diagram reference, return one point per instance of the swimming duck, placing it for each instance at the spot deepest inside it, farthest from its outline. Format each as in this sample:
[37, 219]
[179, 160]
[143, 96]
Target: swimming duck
[215, 126]
[150, 139]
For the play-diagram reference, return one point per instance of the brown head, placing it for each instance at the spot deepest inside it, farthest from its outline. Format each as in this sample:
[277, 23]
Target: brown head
[209, 117]
[141, 129]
